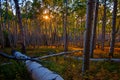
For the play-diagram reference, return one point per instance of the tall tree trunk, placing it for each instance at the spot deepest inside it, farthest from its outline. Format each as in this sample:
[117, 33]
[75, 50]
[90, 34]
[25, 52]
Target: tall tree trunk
[8, 26]
[103, 26]
[65, 27]
[0, 25]
[22, 35]
[88, 26]
[1, 29]
[112, 43]
[14, 34]
[46, 36]
[93, 38]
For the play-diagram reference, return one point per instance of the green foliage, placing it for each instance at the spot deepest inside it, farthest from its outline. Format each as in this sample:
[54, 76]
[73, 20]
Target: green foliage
[105, 70]
[112, 67]
[14, 71]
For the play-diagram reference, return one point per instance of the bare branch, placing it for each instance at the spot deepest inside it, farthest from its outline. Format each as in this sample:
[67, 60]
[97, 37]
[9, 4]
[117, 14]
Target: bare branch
[58, 54]
[24, 58]
[18, 58]
[6, 55]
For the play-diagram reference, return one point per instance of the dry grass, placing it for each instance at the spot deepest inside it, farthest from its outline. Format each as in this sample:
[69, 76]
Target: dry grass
[98, 53]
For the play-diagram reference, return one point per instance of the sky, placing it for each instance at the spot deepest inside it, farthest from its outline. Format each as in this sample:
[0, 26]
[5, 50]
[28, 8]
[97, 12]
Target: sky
[11, 2]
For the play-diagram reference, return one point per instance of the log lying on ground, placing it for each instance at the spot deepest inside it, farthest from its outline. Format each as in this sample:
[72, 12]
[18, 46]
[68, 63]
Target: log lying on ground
[37, 70]
[95, 59]
[58, 54]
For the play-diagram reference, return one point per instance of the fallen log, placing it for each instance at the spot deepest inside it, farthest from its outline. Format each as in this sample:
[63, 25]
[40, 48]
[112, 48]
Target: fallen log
[95, 59]
[58, 54]
[37, 71]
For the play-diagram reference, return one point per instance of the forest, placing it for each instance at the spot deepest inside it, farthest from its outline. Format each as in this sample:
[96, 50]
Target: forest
[76, 39]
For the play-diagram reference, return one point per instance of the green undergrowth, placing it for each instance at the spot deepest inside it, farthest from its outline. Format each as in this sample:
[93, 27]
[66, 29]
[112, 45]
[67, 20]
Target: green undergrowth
[13, 70]
[41, 51]
[68, 68]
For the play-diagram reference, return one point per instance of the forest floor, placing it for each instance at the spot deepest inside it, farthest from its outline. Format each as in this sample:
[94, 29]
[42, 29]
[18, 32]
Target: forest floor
[68, 68]
[98, 53]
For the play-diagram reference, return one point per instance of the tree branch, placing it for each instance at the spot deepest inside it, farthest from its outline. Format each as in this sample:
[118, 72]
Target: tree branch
[6, 55]
[58, 54]
[18, 58]
[24, 58]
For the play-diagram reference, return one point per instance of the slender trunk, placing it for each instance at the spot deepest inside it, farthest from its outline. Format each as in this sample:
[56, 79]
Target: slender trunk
[14, 25]
[109, 33]
[1, 27]
[98, 40]
[22, 35]
[112, 43]
[56, 30]
[9, 34]
[103, 26]
[45, 35]
[8, 25]
[50, 33]
[81, 33]
[86, 52]
[16, 34]
[75, 33]
[65, 28]
[93, 38]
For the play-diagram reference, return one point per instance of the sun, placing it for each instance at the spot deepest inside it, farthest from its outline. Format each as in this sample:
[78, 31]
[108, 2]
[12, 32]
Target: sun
[46, 17]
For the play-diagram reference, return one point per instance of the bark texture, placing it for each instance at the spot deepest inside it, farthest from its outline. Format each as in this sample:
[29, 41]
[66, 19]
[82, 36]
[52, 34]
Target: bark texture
[22, 34]
[87, 37]
[93, 38]
[112, 43]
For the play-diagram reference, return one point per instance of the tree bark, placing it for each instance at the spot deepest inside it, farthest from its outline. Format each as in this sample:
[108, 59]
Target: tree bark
[1, 29]
[93, 38]
[65, 27]
[103, 26]
[112, 43]
[8, 26]
[37, 71]
[22, 35]
[88, 26]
